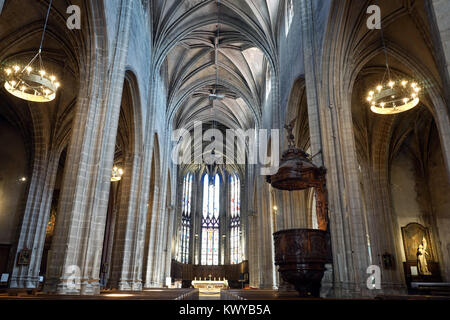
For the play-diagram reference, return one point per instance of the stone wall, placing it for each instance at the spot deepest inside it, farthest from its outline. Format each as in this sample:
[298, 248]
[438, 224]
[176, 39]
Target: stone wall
[13, 166]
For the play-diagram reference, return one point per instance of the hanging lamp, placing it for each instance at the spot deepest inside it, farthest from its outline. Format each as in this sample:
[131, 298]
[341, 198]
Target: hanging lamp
[393, 95]
[30, 82]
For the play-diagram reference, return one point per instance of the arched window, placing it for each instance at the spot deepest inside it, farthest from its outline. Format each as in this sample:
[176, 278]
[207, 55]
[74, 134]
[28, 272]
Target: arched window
[235, 227]
[210, 220]
[183, 252]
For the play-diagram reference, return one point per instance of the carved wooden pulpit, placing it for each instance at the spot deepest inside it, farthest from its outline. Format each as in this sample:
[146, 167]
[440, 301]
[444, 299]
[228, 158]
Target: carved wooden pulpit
[301, 254]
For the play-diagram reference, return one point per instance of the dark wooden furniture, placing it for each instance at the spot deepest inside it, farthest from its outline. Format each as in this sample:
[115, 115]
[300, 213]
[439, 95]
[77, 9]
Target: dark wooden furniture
[301, 255]
[434, 277]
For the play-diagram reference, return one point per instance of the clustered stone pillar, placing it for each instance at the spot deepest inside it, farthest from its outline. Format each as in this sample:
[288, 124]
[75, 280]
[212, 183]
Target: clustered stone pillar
[161, 224]
[331, 133]
[437, 11]
[78, 240]
[37, 211]
[127, 247]
[264, 232]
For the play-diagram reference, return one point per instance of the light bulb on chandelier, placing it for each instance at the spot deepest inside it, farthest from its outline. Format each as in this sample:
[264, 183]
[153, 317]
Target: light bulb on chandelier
[117, 174]
[28, 83]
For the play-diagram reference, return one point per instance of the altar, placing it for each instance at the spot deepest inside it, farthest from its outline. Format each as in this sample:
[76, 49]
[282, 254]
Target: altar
[210, 285]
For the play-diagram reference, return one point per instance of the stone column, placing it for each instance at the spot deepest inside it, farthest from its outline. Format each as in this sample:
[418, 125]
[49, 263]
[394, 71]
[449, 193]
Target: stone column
[311, 80]
[312, 88]
[127, 247]
[161, 231]
[169, 238]
[252, 227]
[331, 130]
[437, 11]
[154, 221]
[159, 226]
[244, 218]
[149, 143]
[179, 186]
[264, 234]
[165, 227]
[253, 259]
[76, 249]
[35, 219]
[149, 170]
[108, 243]
[379, 217]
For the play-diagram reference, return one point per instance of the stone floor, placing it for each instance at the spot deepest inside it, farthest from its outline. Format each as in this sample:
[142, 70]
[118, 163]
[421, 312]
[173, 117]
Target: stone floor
[188, 294]
[147, 294]
[261, 294]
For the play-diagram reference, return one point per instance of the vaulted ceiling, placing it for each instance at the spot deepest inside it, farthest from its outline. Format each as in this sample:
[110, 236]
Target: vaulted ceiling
[409, 53]
[222, 46]
[226, 47]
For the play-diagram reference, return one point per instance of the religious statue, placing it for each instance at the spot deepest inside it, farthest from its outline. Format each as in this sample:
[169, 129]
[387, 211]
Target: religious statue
[289, 128]
[422, 265]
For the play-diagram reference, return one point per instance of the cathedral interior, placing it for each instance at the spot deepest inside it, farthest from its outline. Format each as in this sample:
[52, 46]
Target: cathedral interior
[114, 180]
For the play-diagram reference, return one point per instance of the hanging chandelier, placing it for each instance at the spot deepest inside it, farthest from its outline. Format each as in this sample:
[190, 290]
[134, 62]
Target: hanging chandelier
[29, 82]
[393, 95]
[117, 174]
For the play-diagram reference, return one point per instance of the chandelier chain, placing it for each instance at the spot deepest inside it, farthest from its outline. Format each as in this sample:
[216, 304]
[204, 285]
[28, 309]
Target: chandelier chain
[383, 41]
[38, 54]
[45, 26]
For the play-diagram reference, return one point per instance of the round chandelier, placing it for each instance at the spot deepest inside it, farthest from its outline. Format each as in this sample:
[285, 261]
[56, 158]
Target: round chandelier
[393, 95]
[31, 83]
[117, 174]
[28, 84]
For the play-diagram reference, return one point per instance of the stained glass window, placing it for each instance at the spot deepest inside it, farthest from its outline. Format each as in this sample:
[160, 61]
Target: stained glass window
[235, 227]
[210, 220]
[183, 252]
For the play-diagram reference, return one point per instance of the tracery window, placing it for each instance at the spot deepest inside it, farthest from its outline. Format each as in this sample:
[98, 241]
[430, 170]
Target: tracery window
[210, 220]
[235, 226]
[183, 252]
